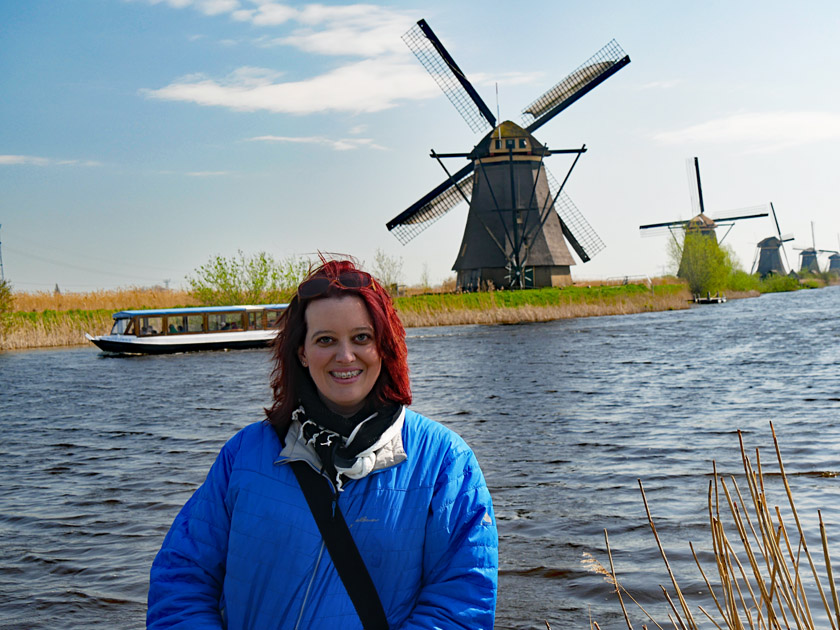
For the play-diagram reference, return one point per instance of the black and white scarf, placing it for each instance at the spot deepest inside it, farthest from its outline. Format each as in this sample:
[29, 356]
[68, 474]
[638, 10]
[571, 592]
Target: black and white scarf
[345, 446]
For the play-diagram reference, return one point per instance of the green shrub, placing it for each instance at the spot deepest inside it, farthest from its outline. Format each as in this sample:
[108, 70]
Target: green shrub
[6, 302]
[778, 284]
[244, 279]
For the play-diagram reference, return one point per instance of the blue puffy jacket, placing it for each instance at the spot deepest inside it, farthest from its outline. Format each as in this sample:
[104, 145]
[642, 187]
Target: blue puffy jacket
[245, 552]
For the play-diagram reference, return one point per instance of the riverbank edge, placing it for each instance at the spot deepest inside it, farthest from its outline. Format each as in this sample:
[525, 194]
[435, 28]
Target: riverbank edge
[53, 329]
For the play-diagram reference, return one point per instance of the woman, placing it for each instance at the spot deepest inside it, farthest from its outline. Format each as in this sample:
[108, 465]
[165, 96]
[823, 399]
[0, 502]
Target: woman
[245, 552]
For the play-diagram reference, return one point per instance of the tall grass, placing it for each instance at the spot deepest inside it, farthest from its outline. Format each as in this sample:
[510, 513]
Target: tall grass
[507, 307]
[116, 300]
[766, 576]
[46, 319]
[53, 328]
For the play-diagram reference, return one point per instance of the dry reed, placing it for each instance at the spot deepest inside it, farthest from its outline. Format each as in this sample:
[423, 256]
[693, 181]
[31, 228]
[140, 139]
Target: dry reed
[624, 305]
[119, 299]
[66, 329]
[760, 569]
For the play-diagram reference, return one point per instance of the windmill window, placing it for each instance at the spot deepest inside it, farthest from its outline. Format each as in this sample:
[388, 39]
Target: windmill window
[523, 144]
[498, 144]
[510, 144]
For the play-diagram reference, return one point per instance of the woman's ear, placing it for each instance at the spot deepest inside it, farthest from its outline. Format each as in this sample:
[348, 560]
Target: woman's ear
[302, 357]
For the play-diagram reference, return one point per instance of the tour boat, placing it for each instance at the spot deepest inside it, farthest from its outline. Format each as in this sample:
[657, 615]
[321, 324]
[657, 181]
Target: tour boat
[168, 330]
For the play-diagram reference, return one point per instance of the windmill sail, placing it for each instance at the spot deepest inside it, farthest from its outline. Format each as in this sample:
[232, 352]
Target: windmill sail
[432, 206]
[692, 169]
[576, 228]
[592, 72]
[439, 63]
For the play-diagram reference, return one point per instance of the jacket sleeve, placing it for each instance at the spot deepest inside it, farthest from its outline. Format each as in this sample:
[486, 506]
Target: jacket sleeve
[187, 574]
[460, 555]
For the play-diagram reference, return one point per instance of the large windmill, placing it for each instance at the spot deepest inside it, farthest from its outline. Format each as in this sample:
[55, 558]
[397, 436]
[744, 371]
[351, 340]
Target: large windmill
[770, 250]
[519, 218]
[700, 223]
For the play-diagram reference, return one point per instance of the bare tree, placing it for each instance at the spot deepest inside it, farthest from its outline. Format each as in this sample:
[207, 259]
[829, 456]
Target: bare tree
[388, 270]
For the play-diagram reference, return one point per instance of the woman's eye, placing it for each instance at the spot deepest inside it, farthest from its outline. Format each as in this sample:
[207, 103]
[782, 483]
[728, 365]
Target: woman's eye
[323, 340]
[363, 338]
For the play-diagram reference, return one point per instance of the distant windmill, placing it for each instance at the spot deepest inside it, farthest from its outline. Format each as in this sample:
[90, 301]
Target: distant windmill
[834, 260]
[700, 223]
[519, 219]
[768, 252]
[809, 257]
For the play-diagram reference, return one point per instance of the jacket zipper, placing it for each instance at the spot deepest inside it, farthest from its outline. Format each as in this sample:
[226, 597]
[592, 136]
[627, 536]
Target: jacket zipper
[309, 586]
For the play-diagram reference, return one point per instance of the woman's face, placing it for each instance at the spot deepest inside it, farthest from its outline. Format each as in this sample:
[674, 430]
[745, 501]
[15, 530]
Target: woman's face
[340, 352]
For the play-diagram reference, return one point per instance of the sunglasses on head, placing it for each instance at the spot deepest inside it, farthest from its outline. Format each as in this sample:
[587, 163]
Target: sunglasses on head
[319, 285]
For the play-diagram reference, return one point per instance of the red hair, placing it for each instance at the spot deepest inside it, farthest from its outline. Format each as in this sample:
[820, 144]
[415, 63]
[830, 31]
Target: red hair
[392, 386]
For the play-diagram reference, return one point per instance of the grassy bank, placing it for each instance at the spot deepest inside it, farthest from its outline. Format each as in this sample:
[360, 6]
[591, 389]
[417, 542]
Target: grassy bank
[537, 305]
[46, 319]
[50, 320]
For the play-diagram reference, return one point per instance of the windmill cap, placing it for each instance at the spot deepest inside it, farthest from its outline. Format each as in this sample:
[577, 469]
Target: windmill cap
[508, 130]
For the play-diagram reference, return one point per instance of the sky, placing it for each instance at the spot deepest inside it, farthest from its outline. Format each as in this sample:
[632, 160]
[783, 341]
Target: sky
[141, 138]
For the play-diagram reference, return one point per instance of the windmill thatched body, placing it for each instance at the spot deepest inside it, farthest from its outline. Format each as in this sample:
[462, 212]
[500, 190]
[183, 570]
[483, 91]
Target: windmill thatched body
[770, 257]
[809, 257]
[511, 196]
[770, 252]
[519, 220]
[809, 260]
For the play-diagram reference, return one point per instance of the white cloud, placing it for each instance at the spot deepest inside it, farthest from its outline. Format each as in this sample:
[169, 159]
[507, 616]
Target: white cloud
[660, 85]
[360, 29]
[266, 14]
[760, 131]
[344, 144]
[367, 86]
[32, 160]
[209, 173]
[216, 7]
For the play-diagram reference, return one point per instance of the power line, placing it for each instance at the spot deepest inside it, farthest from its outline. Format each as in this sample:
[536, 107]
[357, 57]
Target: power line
[80, 267]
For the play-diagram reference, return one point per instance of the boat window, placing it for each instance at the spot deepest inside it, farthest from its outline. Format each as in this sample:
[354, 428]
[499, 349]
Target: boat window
[223, 321]
[272, 316]
[151, 325]
[255, 321]
[179, 324]
[120, 326]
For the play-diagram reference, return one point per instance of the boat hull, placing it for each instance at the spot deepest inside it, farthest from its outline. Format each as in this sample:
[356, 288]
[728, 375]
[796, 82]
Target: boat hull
[128, 345]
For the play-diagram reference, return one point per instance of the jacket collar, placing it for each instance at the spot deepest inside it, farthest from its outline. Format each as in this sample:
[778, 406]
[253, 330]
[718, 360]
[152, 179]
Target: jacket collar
[388, 451]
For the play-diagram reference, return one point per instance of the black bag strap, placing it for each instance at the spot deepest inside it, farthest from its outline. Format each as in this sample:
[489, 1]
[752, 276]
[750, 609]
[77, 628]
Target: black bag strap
[343, 550]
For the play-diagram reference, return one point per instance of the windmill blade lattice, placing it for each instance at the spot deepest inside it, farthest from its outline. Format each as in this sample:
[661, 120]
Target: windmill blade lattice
[595, 70]
[585, 240]
[430, 52]
[417, 219]
[694, 190]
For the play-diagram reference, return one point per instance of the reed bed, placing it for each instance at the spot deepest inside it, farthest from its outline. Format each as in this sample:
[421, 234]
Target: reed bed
[116, 300]
[495, 308]
[50, 319]
[766, 575]
[52, 329]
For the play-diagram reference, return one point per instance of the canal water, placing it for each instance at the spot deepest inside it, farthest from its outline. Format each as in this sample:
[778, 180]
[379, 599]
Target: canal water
[98, 453]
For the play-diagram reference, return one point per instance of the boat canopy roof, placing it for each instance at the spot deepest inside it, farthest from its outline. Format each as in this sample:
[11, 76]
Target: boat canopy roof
[192, 310]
